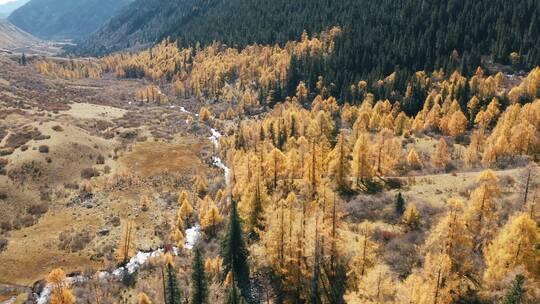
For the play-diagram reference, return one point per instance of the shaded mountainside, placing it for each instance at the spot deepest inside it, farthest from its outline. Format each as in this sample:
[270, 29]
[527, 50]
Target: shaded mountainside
[60, 19]
[143, 23]
[378, 35]
[7, 8]
[12, 37]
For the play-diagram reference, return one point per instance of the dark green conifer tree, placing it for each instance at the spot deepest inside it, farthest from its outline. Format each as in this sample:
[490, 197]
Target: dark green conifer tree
[516, 294]
[233, 297]
[199, 286]
[256, 213]
[400, 204]
[171, 290]
[235, 254]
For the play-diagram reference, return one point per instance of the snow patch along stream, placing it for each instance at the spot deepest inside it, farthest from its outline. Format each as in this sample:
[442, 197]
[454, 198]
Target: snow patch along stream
[215, 137]
[216, 160]
[46, 292]
[192, 235]
[133, 265]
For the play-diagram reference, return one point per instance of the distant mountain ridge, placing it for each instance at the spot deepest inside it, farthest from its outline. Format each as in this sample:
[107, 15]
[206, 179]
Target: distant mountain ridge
[7, 8]
[64, 19]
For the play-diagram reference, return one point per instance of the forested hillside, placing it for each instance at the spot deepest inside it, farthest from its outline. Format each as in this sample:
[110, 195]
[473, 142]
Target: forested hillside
[142, 23]
[378, 36]
[64, 19]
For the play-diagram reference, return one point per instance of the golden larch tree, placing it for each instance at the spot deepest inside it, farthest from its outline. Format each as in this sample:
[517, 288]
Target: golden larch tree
[366, 253]
[514, 246]
[211, 220]
[457, 124]
[275, 167]
[205, 114]
[441, 156]
[339, 163]
[185, 212]
[451, 237]
[471, 156]
[413, 159]
[411, 217]
[142, 298]
[362, 159]
[481, 212]
[433, 284]
[126, 248]
[60, 293]
[377, 286]
[201, 186]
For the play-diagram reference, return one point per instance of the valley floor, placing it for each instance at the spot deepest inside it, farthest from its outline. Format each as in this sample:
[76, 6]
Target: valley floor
[55, 134]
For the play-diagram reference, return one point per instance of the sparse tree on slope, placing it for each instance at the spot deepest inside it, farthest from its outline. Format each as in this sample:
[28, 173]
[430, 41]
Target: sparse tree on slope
[400, 204]
[411, 217]
[367, 251]
[142, 298]
[126, 248]
[441, 157]
[60, 293]
[413, 160]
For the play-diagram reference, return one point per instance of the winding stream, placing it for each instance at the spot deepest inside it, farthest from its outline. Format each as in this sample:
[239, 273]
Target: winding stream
[192, 235]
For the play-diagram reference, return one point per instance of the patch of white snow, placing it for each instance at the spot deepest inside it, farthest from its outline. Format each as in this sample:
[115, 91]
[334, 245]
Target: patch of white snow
[192, 235]
[215, 137]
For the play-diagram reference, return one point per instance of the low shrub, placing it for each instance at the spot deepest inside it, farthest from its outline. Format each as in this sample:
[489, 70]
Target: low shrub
[74, 241]
[58, 128]
[72, 186]
[3, 244]
[6, 225]
[395, 183]
[27, 221]
[43, 149]
[37, 209]
[3, 163]
[114, 221]
[42, 137]
[6, 151]
[100, 160]
[88, 173]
